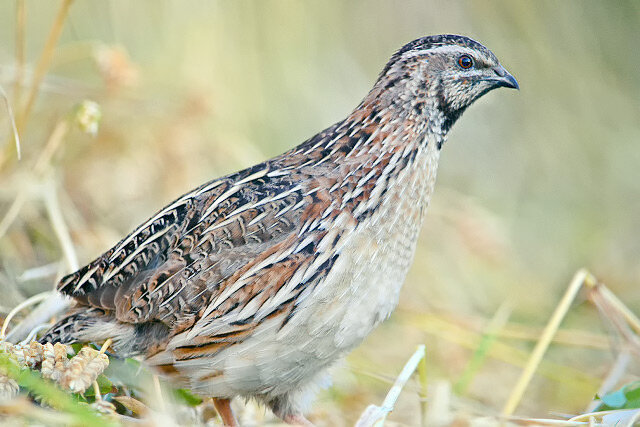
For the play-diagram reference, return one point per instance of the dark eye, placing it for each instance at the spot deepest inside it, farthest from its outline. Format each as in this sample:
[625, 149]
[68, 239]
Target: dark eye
[465, 62]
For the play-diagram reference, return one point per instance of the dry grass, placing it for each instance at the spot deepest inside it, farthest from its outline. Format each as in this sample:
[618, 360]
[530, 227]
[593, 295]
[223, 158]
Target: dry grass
[545, 182]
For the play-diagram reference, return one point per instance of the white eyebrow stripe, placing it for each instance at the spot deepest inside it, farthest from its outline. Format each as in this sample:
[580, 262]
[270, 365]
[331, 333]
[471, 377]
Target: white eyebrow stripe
[442, 49]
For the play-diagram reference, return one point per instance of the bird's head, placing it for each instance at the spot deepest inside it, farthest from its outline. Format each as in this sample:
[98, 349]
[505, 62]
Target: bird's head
[448, 72]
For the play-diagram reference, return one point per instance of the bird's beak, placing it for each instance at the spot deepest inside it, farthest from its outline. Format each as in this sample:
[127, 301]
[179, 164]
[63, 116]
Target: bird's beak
[502, 78]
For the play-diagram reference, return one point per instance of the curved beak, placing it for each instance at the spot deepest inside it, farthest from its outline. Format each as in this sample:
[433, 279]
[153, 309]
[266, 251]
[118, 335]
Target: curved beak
[502, 78]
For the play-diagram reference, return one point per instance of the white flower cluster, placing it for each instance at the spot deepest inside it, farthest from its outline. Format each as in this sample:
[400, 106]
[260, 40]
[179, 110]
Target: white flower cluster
[75, 374]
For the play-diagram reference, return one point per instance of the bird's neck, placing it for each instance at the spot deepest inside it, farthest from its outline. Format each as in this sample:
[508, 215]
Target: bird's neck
[388, 147]
[388, 120]
[387, 124]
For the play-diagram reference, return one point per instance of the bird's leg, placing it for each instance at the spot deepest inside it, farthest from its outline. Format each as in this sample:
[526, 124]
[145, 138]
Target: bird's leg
[297, 420]
[223, 406]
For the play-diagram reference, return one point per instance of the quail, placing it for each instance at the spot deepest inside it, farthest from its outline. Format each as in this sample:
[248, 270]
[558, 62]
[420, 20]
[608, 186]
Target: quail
[253, 284]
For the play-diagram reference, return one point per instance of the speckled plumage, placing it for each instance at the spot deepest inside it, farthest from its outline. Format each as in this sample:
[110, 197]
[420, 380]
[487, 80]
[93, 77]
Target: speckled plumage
[252, 284]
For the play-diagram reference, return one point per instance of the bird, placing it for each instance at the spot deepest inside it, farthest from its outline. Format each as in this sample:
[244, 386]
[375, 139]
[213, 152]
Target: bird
[254, 284]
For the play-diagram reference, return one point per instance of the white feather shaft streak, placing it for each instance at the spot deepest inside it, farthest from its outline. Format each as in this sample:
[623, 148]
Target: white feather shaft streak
[238, 284]
[224, 196]
[144, 226]
[132, 255]
[255, 175]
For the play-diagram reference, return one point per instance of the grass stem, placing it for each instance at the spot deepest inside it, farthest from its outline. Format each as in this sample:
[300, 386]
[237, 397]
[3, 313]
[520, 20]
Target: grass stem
[500, 318]
[19, 51]
[26, 303]
[60, 228]
[39, 73]
[422, 376]
[549, 331]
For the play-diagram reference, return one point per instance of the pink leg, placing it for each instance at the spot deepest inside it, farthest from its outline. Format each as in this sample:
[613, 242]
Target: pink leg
[223, 406]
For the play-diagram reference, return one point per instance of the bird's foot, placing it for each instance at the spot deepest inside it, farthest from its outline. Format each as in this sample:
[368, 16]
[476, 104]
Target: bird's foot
[297, 420]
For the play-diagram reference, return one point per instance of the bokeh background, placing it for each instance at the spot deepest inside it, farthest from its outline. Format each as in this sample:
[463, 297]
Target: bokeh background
[532, 185]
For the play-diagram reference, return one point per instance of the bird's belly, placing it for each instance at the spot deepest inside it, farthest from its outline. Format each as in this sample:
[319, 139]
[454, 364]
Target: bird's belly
[360, 291]
[363, 287]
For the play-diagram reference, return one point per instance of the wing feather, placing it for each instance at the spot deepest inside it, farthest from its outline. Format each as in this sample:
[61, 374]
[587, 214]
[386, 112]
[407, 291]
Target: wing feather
[205, 248]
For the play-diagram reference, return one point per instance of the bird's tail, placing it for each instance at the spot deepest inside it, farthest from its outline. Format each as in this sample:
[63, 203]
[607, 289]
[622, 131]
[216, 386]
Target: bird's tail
[97, 325]
[78, 326]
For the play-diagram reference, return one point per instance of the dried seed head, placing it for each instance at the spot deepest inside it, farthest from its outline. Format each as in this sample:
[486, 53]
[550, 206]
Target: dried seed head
[33, 354]
[8, 388]
[83, 369]
[61, 362]
[48, 360]
[76, 366]
[10, 350]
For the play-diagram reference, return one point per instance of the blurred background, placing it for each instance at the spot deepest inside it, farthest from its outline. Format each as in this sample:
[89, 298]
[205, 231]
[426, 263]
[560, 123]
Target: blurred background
[533, 185]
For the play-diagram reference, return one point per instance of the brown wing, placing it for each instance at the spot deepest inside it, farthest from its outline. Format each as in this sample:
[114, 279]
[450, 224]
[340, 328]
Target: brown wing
[208, 244]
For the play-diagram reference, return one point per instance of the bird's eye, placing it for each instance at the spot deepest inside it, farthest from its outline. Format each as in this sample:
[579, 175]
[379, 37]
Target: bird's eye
[465, 62]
